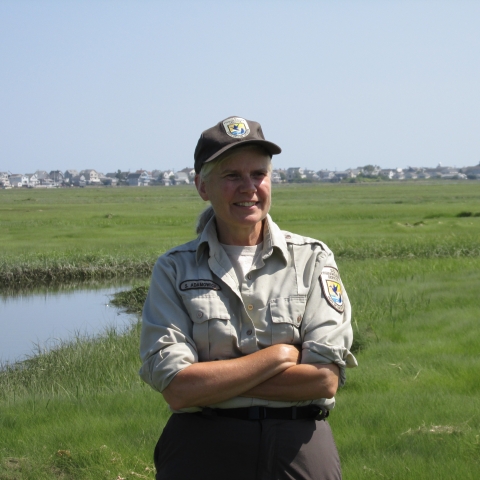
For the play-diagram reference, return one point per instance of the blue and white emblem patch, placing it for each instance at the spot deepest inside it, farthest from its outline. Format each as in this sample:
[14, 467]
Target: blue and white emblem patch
[332, 288]
[236, 127]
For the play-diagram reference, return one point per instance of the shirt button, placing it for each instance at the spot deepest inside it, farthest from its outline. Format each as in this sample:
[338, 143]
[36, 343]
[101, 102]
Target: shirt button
[199, 314]
[299, 319]
[250, 307]
[249, 276]
[288, 236]
[249, 332]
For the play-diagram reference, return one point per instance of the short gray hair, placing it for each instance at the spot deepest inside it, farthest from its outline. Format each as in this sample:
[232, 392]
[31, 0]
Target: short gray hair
[203, 219]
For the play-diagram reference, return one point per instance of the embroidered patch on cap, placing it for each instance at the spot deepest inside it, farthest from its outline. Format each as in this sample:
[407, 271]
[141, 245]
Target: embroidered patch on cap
[236, 127]
[199, 284]
[332, 288]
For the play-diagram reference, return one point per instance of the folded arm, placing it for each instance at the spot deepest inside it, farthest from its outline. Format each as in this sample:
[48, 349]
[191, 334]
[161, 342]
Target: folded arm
[206, 383]
[297, 383]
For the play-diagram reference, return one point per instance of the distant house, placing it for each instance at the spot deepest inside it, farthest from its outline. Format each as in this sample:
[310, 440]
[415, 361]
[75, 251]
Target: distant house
[109, 181]
[387, 173]
[69, 175]
[181, 178]
[344, 174]
[142, 179]
[33, 180]
[18, 180]
[311, 174]
[166, 182]
[453, 175]
[120, 177]
[4, 181]
[423, 173]
[326, 175]
[166, 178]
[295, 173]
[133, 180]
[91, 177]
[155, 174]
[41, 175]
[79, 181]
[101, 177]
[472, 172]
[56, 176]
[276, 177]
[190, 173]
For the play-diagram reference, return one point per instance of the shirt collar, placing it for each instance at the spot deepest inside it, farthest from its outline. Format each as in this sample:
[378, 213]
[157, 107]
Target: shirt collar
[273, 239]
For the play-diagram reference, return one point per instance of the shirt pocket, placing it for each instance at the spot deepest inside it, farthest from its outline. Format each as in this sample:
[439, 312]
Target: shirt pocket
[287, 315]
[212, 329]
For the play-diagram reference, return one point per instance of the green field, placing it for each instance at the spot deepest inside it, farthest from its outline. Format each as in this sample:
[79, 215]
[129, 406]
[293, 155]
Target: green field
[409, 255]
[52, 236]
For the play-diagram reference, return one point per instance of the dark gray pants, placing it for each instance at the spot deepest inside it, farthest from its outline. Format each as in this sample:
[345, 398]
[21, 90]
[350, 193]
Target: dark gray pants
[193, 446]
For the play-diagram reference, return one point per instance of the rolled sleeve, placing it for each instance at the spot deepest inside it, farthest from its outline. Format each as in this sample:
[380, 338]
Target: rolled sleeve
[327, 333]
[166, 344]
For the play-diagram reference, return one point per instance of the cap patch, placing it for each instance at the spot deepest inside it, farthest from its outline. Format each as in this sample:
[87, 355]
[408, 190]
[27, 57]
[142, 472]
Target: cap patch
[199, 285]
[236, 127]
[332, 288]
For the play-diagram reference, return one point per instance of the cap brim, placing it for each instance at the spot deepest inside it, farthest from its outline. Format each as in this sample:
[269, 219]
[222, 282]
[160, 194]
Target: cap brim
[269, 146]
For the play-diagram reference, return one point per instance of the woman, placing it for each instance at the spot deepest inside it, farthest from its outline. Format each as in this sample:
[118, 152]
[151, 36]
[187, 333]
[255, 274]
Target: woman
[246, 330]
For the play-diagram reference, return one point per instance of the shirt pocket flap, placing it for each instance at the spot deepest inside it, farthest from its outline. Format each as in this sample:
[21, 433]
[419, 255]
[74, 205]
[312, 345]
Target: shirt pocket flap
[207, 307]
[288, 309]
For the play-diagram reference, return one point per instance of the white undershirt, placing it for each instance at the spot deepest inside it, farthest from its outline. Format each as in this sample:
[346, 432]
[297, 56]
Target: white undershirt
[242, 258]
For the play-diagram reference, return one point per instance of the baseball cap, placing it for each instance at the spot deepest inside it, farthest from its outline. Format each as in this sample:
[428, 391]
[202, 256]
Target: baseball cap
[233, 132]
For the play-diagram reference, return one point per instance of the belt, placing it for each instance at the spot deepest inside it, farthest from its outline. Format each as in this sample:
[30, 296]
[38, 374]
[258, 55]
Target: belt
[260, 413]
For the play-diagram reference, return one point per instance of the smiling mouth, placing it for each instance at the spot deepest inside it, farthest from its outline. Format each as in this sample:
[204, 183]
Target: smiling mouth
[246, 204]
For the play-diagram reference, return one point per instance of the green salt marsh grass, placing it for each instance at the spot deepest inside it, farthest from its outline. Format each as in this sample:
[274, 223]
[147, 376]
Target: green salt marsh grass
[411, 268]
[79, 234]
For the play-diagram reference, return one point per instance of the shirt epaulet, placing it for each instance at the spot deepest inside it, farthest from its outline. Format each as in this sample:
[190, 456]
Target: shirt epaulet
[186, 247]
[301, 240]
[295, 239]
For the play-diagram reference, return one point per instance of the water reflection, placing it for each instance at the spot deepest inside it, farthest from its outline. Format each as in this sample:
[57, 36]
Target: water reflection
[39, 320]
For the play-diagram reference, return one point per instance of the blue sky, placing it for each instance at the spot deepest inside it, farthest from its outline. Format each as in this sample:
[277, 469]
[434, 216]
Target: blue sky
[131, 84]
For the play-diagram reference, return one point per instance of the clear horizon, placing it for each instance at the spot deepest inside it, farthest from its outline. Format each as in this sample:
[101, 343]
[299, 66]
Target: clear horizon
[274, 168]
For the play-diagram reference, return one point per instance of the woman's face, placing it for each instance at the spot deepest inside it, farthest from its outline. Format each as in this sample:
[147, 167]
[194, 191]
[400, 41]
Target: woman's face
[239, 190]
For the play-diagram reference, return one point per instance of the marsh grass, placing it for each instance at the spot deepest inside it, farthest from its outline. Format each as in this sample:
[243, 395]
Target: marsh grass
[85, 234]
[410, 411]
[131, 300]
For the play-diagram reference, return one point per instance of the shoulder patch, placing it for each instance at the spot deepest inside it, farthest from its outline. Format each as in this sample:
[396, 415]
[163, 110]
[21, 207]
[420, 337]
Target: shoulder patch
[198, 285]
[332, 288]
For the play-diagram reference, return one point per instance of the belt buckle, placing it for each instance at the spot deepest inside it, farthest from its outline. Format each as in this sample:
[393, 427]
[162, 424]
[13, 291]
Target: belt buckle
[322, 414]
[257, 413]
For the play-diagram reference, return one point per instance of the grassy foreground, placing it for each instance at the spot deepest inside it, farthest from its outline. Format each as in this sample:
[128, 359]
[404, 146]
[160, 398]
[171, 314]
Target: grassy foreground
[411, 410]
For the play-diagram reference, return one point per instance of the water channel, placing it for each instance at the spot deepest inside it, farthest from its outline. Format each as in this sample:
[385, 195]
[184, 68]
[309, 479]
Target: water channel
[37, 321]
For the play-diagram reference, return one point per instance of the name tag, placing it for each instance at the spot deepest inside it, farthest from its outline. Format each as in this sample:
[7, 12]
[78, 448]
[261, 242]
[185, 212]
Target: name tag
[199, 284]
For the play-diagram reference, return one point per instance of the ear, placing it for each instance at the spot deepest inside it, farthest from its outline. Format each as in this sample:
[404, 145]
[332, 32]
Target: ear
[201, 188]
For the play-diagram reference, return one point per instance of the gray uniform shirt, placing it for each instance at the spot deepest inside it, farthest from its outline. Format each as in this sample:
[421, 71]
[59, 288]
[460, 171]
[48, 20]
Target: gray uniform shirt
[196, 311]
